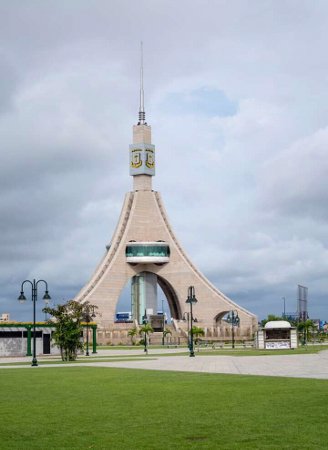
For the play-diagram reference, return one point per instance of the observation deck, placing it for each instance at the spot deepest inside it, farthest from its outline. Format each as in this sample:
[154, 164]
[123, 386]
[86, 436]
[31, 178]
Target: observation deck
[147, 252]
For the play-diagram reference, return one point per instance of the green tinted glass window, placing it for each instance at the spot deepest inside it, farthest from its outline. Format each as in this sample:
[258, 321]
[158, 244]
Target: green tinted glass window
[147, 250]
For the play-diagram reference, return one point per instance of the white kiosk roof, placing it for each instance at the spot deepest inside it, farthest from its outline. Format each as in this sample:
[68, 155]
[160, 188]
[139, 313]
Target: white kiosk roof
[277, 324]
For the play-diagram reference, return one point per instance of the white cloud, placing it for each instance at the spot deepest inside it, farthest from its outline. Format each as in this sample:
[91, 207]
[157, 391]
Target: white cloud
[295, 182]
[254, 180]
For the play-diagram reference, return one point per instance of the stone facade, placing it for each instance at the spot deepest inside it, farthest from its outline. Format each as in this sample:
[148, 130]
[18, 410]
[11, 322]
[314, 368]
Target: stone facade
[144, 219]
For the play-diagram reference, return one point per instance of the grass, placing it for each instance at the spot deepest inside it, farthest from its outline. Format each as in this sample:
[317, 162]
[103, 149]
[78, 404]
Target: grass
[107, 408]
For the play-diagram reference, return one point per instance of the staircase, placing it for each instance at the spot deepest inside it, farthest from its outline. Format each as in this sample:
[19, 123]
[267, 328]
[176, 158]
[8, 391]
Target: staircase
[175, 338]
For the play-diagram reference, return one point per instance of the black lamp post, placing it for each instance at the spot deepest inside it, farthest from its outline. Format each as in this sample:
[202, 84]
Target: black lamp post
[186, 317]
[88, 315]
[22, 299]
[163, 335]
[144, 322]
[233, 318]
[46, 301]
[191, 300]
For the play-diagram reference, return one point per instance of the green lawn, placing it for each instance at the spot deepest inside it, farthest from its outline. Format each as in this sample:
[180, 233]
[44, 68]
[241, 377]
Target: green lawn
[102, 408]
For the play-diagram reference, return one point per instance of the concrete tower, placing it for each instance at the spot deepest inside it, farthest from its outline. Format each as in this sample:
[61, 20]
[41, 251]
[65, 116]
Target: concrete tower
[145, 250]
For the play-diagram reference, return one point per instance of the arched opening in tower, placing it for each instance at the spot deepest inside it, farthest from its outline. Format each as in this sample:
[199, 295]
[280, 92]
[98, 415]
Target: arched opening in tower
[225, 326]
[147, 294]
[171, 297]
[219, 318]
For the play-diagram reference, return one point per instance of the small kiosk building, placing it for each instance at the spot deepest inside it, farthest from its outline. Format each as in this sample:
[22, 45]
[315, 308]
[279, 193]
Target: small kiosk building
[276, 334]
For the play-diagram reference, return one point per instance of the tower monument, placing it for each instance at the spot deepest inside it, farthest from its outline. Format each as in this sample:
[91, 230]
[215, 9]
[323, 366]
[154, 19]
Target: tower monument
[145, 250]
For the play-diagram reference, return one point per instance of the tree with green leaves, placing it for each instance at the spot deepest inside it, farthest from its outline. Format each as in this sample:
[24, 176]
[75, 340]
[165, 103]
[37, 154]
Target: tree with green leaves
[271, 317]
[197, 332]
[145, 330]
[166, 332]
[133, 333]
[68, 320]
[306, 328]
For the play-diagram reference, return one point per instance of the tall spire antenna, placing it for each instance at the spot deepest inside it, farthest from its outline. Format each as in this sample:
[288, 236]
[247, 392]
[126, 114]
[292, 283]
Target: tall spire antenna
[142, 114]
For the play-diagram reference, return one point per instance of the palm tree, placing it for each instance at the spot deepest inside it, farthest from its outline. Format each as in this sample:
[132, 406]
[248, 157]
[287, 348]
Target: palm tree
[133, 333]
[166, 331]
[145, 329]
[197, 331]
[307, 327]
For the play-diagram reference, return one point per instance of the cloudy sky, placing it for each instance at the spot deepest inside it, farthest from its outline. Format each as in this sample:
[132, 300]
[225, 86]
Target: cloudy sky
[236, 93]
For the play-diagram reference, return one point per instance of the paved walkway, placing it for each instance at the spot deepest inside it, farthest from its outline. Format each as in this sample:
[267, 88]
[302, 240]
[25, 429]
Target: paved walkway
[299, 366]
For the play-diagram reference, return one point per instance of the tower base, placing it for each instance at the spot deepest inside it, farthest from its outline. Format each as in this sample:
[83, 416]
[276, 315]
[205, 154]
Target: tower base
[144, 220]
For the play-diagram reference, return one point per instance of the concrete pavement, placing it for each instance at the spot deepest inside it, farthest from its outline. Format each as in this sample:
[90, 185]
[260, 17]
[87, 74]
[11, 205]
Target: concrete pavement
[300, 366]
[293, 365]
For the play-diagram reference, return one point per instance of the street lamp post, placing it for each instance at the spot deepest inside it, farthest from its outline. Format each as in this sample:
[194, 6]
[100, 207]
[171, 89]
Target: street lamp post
[186, 317]
[191, 300]
[144, 322]
[284, 299]
[163, 336]
[233, 318]
[22, 299]
[89, 314]
[47, 302]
